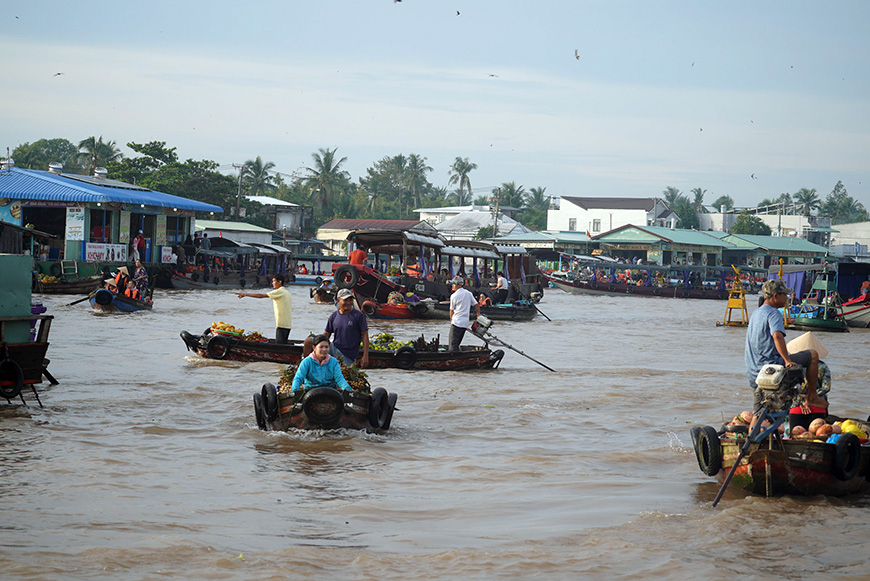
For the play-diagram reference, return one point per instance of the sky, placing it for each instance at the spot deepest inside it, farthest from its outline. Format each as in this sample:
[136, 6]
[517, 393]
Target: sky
[584, 98]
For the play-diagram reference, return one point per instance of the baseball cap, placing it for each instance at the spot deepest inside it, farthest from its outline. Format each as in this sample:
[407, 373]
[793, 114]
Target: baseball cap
[344, 293]
[458, 280]
[774, 286]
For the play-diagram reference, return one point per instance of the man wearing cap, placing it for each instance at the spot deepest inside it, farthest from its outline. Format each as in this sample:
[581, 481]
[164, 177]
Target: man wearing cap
[460, 311]
[282, 304]
[765, 343]
[350, 328]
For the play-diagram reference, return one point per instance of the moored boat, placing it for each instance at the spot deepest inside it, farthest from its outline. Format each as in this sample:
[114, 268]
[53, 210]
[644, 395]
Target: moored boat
[105, 301]
[519, 311]
[596, 287]
[231, 348]
[375, 310]
[856, 312]
[69, 286]
[821, 312]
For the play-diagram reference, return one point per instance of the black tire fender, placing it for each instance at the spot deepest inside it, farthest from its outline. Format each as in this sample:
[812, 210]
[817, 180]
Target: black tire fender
[847, 457]
[611, 288]
[270, 401]
[323, 405]
[346, 276]
[405, 357]
[55, 269]
[379, 407]
[103, 297]
[242, 282]
[318, 280]
[657, 291]
[593, 285]
[391, 401]
[9, 369]
[216, 280]
[291, 277]
[258, 411]
[708, 451]
[369, 308]
[218, 347]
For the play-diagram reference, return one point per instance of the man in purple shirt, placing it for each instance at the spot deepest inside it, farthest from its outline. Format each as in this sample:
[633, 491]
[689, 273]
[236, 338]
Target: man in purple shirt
[350, 328]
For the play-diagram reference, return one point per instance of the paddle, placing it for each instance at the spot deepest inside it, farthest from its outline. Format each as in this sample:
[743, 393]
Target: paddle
[78, 301]
[482, 332]
[533, 304]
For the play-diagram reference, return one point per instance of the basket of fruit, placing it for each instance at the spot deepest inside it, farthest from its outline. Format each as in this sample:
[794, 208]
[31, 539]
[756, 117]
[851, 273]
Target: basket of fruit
[222, 328]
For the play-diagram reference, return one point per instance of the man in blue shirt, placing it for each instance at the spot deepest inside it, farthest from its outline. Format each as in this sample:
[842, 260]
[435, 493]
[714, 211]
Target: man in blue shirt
[350, 328]
[765, 343]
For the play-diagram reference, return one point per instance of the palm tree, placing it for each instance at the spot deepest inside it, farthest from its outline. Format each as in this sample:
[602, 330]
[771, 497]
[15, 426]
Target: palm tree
[726, 201]
[326, 177]
[459, 175]
[415, 177]
[699, 198]
[94, 153]
[459, 196]
[671, 195]
[537, 199]
[807, 201]
[257, 177]
[511, 195]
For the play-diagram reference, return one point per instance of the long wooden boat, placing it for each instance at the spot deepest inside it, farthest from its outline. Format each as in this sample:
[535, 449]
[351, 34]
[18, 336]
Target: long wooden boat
[375, 310]
[856, 312]
[229, 348]
[216, 280]
[70, 286]
[105, 301]
[437, 310]
[786, 466]
[324, 408]
[592, 287]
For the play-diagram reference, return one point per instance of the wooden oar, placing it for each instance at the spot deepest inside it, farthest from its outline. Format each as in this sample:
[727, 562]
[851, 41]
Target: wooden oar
[80, 300]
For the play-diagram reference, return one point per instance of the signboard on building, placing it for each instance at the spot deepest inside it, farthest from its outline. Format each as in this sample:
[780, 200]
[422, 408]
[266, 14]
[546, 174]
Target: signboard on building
[160, 230]
[124, 230]
[166, 254]
[75, 224]
[105, 252]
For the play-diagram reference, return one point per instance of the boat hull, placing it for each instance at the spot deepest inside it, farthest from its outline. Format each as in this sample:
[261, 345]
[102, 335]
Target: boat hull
[234, 349]
[75, 286]
[616, 289]
[105, 301]
[857, 313]
[515, 312]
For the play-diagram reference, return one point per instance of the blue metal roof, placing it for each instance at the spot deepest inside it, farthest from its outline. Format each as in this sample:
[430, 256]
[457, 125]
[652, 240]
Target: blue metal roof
[31, 184]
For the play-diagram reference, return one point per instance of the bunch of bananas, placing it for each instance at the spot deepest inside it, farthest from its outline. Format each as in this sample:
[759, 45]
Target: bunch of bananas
[255, 336]
[386, 342]
[44, 278]
[221, 326]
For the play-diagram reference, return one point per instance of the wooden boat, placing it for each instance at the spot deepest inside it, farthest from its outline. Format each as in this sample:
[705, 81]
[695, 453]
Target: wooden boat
[23, 364]
[520, 311]
[105, 301]
[70, 286]
[786, 466]
[323, 296]
[216, 280]
[822, 312]
[324, 408]
[230, 348]
[375, 310]
[856, 312]
[593, 287]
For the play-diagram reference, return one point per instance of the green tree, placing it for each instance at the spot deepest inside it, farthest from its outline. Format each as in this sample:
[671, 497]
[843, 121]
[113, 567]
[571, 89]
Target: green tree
[807, 200]
[459, 171]
[326, 178]
[724, 201]
[483, 233]
[415, 179]
[698, 199]
[94, 153]
[537, 200]
[509, 194]
[671, 195]
[747, 223]
[256, 176]
[841, 207]
[40, 153]
[685, 210]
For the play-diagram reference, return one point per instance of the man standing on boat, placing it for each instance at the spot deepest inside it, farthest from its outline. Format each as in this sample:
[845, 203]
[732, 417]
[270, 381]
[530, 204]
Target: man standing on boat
[358, 256]
[282, 304]
[350, 328]
[460, 311]
[765, 343]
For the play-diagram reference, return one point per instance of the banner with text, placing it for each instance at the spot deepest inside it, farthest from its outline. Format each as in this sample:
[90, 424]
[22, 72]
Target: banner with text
[105, 252]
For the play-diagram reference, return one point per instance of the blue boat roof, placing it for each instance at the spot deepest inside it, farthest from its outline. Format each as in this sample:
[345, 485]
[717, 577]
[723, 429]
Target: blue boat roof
[32, 184]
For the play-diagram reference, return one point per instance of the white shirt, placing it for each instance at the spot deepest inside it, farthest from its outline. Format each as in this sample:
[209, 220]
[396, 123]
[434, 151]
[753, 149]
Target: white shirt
[502, 283]
[460, 303]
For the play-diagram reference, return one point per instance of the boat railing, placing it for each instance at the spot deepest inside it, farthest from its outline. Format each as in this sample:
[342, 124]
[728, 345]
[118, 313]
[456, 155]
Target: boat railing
[42, 333]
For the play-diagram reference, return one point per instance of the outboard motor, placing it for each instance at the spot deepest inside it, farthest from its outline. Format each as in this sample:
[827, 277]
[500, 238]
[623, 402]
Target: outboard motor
[780, 386]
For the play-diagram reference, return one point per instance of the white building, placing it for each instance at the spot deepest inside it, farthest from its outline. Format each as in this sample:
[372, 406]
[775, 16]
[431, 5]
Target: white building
[466, 225]
[437, 215]
[816, 229]
[597, 215]
[288, 218]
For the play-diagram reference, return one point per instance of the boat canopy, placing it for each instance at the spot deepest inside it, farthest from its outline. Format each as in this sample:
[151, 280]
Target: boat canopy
[270, 248]
[510, 249]
[470, 249]
[226, 248]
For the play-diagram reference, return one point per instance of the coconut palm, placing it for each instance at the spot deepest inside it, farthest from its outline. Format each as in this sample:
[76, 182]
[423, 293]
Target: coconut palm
[537, 199]
[807, 201]
[94, 153]
[326, 177]
[256, 175]
[698, 200]
[459, 175]
[415, 177]
[671, 195]
[725, 201]
[511, 195]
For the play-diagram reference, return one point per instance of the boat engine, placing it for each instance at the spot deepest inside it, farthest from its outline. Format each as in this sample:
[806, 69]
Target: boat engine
[780, 386]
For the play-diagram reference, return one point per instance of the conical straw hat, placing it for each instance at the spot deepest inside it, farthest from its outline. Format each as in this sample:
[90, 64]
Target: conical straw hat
[807, 341]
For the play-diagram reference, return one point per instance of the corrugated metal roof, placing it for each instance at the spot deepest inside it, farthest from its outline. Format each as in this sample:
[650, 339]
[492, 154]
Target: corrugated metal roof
[228, 226]
[360, 224]
[31, 184]
[645, 204]
[643, 234]
[785, 243]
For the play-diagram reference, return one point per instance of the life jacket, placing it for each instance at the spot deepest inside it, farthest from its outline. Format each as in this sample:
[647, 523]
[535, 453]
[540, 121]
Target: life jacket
[484, 301]
[133, 293]
[121, 280]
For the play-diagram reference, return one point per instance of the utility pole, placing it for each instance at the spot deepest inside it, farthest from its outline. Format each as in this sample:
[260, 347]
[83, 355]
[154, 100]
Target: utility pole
[239, 196]
[495, 214]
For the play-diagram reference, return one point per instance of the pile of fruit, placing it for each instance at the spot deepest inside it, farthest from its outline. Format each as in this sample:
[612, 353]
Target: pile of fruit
[821, 430]
[386, 342]
[227, 328]
[44, 278]
[355, 377]
[255, 336]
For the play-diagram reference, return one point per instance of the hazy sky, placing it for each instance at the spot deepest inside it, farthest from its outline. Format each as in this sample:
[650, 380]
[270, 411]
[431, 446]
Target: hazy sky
[664, 93]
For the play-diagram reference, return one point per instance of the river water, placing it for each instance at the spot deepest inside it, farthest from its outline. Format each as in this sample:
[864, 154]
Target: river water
[146, 462]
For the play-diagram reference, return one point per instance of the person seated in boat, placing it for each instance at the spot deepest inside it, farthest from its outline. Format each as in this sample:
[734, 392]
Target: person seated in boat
[864, 291]
[109, 284]
[302, 269]
[122, 277]
[132, 292]
[765, 343]
[501, 287]
[396, 297]
[484, 301]
[320, 369]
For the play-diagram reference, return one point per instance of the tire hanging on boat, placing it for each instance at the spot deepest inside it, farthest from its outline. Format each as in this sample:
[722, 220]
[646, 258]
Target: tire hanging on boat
[218, 347]
[708, 451]
[318, 280]
[103, 297]
[391, 401]
[379, 406]
[258, 411]
[847, 457]
[323, 405]
[346, 276]
[9, 369]
[369, 308]
[55, 269]
[405, 357]
[270, 401]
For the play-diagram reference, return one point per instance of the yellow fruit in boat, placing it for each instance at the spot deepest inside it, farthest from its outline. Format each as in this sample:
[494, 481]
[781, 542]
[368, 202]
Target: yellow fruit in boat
[853, 429]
